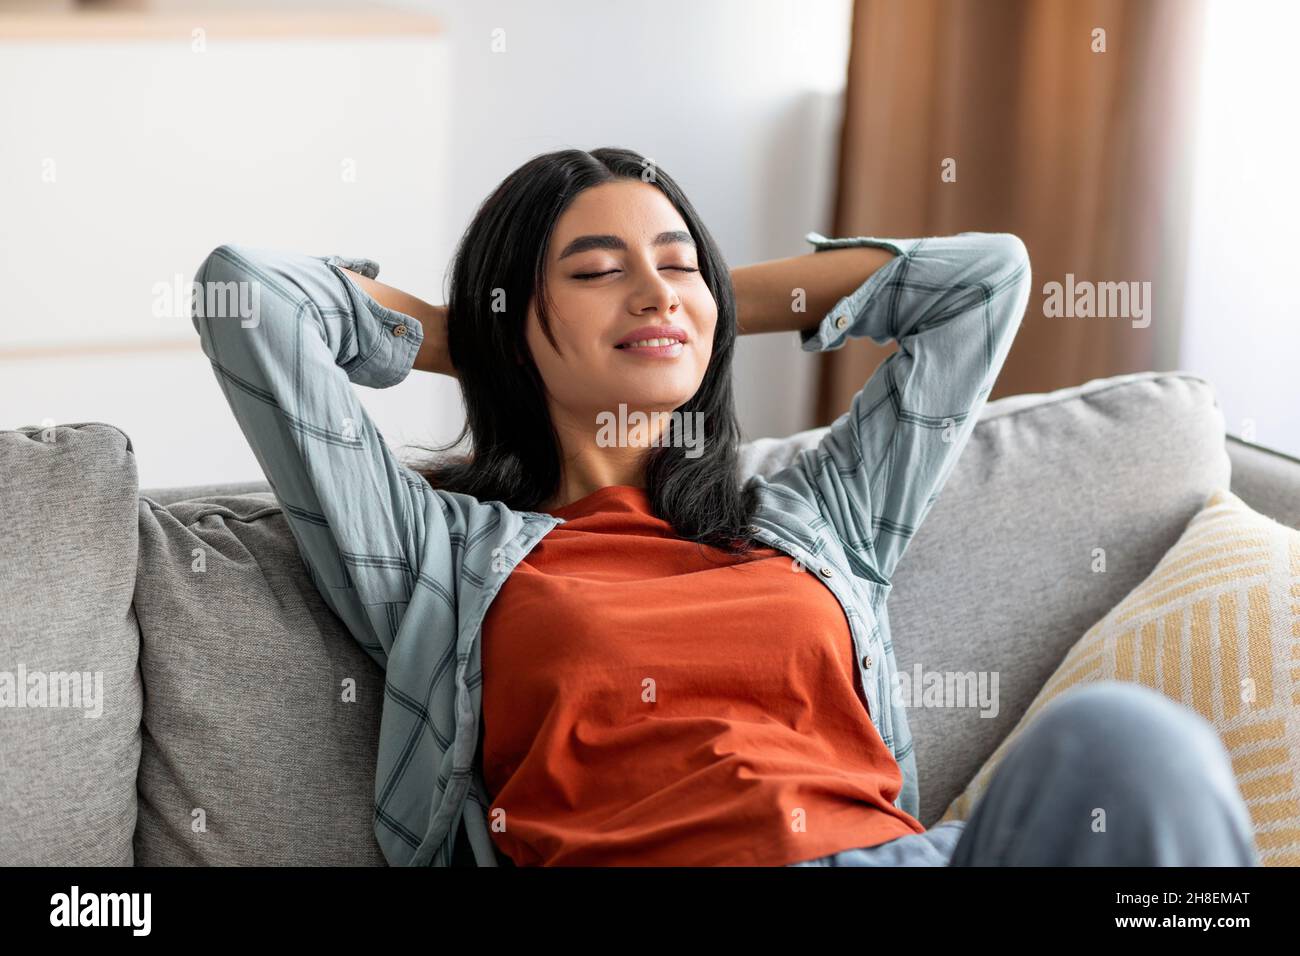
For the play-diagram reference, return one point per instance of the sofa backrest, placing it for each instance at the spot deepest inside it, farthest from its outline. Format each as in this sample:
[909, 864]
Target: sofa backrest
[70, 693]
[1065, 505]
[1267, 480]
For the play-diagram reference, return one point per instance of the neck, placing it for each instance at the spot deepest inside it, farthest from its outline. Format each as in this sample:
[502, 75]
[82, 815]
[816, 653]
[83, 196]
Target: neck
[588, 466]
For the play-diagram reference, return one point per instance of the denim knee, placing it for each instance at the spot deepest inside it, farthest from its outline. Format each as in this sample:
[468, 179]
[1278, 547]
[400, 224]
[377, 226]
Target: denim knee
[1155, 767]
[1123, 726]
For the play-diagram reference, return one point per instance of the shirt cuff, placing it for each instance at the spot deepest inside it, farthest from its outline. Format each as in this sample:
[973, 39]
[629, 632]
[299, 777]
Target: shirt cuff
[366, 267]
[847, 317]
[390, 362]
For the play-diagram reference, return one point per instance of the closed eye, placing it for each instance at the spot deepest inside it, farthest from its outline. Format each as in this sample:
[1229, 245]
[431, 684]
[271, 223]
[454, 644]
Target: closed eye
[597, 275]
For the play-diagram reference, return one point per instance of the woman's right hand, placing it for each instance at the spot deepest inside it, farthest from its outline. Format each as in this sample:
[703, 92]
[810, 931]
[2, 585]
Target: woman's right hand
[433, 355]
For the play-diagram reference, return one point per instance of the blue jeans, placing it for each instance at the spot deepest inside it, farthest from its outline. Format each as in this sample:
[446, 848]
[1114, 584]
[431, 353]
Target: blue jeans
[1109, 774]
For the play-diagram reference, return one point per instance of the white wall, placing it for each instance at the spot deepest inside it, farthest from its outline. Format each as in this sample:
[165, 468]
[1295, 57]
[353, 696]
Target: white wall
[161, 154]
[1241, 327]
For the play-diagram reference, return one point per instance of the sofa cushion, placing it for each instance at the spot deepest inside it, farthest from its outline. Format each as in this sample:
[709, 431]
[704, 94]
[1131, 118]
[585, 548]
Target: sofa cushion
[262, 714]
[998, 583]
[1213, 628]
[68, 647]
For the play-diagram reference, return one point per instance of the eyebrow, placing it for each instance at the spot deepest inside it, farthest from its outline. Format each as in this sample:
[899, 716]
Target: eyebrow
[583, 243]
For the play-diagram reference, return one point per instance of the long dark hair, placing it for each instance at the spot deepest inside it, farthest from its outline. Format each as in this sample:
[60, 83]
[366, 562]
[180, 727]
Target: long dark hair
[515, 457]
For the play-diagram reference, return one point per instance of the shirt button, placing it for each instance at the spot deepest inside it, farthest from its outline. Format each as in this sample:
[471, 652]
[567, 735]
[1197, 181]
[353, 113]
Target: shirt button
[828, 572]
[841, 321]
[866, 662]
[399, 330]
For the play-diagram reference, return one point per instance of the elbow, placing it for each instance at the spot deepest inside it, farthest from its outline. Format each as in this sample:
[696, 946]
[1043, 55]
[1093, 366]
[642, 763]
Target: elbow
[1010, 272]
[1008, 255]
[998, 262]
[1013, 279]
[224, 263]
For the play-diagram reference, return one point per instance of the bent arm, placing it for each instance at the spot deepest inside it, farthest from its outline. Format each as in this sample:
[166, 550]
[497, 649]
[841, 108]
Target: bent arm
[953, 304]
[359, 517]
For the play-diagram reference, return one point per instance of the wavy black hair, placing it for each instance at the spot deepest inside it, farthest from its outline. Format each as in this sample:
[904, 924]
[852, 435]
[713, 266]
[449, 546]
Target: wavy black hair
[515, 454]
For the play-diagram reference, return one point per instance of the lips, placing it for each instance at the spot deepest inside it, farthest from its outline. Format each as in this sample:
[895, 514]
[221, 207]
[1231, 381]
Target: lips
[651, 332]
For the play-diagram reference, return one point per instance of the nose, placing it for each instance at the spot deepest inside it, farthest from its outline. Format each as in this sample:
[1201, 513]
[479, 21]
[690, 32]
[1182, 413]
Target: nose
[657, 295]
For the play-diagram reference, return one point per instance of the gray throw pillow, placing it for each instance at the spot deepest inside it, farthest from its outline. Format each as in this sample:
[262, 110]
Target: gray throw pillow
[68, 647]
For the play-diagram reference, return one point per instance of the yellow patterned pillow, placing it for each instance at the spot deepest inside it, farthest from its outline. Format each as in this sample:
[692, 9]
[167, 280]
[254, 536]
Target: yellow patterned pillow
[1216, 626]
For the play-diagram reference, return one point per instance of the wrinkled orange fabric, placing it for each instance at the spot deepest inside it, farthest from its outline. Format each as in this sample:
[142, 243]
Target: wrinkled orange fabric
[648, 701]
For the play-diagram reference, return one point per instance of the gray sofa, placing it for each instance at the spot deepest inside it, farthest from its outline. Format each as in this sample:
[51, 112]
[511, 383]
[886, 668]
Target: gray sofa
[238, 720]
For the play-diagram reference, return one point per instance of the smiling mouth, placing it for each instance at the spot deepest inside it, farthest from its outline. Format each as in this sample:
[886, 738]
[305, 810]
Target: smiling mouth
[661, 342]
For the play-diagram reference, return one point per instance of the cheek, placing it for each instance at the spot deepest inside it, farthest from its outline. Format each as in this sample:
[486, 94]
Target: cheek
[704, 306]
[708, 321]
[573, 353]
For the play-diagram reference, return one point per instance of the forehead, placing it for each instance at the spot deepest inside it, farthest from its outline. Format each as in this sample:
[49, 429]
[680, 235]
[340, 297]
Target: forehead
[633, 211]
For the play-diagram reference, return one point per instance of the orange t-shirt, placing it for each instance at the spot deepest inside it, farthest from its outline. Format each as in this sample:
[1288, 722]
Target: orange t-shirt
[649, 701]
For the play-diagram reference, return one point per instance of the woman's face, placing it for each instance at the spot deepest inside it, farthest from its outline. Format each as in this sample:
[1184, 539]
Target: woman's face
[620, 259]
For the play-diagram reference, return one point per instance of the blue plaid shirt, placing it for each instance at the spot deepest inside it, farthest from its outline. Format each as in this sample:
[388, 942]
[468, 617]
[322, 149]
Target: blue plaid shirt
[412, 571]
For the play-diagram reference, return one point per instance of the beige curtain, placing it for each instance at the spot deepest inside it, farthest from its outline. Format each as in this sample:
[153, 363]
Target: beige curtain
[1085, 155]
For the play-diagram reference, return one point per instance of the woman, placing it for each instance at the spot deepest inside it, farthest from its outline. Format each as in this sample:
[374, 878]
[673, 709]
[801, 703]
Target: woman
[600, 646]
